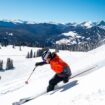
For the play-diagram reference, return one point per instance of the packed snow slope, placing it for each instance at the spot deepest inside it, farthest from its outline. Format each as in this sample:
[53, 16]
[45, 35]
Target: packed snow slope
[86, 89]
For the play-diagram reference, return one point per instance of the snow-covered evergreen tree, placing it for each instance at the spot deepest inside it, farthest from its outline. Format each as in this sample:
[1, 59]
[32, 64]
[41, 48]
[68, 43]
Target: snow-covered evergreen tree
[28, 55]
[9, 64]
[1, 64]
[31, 53]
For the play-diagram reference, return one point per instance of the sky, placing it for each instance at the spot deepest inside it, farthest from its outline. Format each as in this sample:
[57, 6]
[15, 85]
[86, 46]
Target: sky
[60, 11]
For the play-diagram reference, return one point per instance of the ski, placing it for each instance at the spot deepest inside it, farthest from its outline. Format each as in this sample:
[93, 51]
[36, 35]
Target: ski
[24, 100]
[84, 71]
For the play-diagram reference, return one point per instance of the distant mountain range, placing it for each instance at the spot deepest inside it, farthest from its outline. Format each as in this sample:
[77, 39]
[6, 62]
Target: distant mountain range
[20, 32]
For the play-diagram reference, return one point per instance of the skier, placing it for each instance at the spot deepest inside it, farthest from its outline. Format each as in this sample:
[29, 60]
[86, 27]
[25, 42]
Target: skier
[60, 67]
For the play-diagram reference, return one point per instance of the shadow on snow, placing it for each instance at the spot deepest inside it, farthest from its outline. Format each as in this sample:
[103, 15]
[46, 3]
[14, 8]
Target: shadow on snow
[65, 87]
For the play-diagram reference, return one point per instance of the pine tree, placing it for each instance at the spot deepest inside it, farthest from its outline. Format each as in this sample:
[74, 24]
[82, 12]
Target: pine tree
[20, 48]
[28, 55]
[9, 64]
[1, 64]
[13, 46]
[31, 53]
[38, 53]
[34, 55]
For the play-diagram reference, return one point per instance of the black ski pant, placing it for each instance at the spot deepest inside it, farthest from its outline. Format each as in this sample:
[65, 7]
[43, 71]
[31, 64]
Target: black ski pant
[64, 76]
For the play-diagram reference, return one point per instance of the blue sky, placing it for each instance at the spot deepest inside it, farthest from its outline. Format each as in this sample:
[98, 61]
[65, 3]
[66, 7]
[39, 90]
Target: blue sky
[60, 11]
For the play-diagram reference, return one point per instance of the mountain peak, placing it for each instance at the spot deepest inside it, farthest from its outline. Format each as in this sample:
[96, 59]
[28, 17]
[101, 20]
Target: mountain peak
[102, 23]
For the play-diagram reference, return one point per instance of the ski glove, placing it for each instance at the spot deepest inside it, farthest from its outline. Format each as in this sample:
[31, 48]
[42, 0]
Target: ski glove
[37, 64]
[40, 63]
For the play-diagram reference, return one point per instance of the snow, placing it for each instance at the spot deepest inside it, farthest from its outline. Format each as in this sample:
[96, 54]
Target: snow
[16, 21]
[87, 24]
[10, 34]
[70, 33]
[71, 38]
[66, 41]
[103, 27]
[87, 89]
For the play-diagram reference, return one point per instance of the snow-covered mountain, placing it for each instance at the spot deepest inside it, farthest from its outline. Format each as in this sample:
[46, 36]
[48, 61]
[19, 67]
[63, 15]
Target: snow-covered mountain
[86, 89]
[89, 34]
[102, 25]
[70, 38]
[87, 24]
[17, 21]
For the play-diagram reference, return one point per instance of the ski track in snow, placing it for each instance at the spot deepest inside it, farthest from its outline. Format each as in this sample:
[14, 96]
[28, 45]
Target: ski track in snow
[15, 85]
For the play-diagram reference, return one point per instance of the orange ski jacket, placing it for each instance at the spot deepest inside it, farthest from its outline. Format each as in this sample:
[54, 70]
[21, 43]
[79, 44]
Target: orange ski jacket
[57, 64]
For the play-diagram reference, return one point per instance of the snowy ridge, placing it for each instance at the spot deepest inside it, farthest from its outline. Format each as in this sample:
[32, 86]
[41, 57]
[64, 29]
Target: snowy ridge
[18, 21]
[71, 38]
[72, 34]
[87, 24]
[87, 89]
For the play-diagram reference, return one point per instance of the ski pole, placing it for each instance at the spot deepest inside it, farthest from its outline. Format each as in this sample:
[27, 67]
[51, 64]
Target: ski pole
[26, 82]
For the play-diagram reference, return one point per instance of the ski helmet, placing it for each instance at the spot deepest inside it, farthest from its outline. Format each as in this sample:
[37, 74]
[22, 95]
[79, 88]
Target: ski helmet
[46, 54]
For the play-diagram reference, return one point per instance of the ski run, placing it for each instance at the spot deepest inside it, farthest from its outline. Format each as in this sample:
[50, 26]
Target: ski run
[88, 88]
